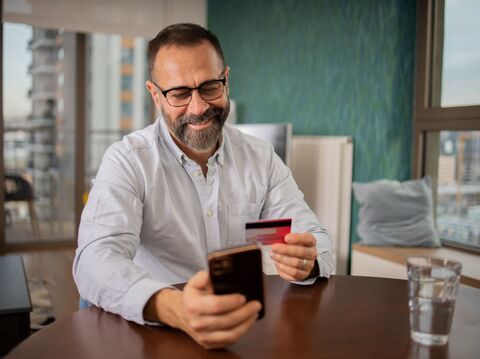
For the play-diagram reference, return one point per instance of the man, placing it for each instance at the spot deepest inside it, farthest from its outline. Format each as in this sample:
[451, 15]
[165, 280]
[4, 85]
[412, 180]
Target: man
[167, 195]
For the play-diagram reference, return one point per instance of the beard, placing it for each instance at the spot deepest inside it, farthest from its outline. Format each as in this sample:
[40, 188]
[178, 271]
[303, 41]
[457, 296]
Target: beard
[202, 140]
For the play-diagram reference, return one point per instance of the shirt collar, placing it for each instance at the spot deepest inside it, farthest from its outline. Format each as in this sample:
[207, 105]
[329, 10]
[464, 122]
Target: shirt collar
[219, 153]
[169, 143]
[179, 155]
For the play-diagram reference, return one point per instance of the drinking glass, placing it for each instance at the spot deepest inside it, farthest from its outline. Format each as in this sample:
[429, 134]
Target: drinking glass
[432, 288]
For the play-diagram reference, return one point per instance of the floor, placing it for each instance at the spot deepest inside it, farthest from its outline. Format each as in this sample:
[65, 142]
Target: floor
[55, 267]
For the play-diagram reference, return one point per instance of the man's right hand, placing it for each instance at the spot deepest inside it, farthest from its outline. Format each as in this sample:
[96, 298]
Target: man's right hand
[213, 321]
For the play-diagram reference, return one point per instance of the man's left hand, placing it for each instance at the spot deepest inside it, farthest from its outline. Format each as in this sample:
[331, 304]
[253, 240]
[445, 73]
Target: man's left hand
[295, 260]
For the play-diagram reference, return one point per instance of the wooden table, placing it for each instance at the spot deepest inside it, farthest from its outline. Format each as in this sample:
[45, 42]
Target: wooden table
[344, 317]
[15, 303]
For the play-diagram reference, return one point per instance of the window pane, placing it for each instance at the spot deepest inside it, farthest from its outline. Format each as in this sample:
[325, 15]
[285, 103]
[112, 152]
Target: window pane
[38, 138]
[458, 191]
[118, 100]
[461, 54]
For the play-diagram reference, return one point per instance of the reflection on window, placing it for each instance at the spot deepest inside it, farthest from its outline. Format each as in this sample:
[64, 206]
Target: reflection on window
[127, 109]
[458, 191]
[127, 82]
[38, 171]
[461, 54]
[127, 54]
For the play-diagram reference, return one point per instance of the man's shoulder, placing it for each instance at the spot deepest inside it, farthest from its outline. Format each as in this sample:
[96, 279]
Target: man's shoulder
[137, 140]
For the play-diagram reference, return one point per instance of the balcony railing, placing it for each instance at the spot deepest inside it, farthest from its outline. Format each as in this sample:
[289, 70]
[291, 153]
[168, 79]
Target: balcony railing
[35, 44]
[41, 69]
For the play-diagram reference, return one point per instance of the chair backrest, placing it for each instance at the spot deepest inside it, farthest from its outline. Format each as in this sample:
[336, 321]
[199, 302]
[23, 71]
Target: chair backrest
[83, 303]
[278, 134]
[17, 188]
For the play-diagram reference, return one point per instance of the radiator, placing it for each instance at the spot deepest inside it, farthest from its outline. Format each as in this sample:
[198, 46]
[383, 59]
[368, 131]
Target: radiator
[322, 167]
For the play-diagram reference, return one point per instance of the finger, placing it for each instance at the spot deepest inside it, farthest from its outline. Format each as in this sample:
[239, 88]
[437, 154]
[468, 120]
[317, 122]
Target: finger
[223, 338]
[295, 273]
[200, 281]
[295, 251]
[226, 321]
[213, 304]
[303, 239]
[285, 276]
[295, 262]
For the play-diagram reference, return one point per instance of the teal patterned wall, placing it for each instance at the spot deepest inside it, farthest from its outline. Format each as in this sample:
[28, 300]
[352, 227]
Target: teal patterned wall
[331, 67]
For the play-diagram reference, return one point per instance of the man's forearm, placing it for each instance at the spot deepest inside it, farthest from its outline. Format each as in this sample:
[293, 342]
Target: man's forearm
[163, 307]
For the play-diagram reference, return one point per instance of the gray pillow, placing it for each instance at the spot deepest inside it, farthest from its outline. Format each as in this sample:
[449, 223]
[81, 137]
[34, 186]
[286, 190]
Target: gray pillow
[396, 213]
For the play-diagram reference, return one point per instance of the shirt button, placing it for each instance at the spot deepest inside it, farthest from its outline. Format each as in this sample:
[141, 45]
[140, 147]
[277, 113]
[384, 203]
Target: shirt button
[197, 173]
[210, 212]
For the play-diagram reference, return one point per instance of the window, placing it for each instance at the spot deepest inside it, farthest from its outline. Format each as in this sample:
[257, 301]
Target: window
[447, 115]
[43, 142]
[461, 54]
[118, 100]
[457, 185]
[127, 83]
[38, 136]
[127, 54]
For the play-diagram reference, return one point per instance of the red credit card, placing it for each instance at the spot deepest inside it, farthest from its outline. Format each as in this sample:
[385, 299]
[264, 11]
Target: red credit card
[268, 231]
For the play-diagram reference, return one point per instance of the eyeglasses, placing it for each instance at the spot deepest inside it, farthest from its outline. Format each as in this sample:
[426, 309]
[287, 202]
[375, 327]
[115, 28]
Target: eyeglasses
[181, 96]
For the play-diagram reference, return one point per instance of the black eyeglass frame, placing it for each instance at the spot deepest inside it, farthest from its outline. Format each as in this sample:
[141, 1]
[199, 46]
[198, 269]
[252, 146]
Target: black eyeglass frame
[165, 92]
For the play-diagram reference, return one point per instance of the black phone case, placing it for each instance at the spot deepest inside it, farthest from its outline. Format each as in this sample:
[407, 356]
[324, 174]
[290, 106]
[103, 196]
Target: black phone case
[238, 270]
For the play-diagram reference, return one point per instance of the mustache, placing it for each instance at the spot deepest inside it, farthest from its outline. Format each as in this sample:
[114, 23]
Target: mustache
[212, 112]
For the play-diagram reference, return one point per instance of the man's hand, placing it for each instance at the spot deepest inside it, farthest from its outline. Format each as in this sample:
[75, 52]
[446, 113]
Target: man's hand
[295, 260]
[213, 321]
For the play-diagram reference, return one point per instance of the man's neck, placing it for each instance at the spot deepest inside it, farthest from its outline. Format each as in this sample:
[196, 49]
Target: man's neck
[198, 156]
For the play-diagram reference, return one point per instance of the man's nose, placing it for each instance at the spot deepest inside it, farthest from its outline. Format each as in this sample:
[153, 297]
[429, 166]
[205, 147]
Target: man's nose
[197, 105]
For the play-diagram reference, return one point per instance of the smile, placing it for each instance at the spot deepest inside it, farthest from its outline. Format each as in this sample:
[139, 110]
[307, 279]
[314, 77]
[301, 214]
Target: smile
[201, 125]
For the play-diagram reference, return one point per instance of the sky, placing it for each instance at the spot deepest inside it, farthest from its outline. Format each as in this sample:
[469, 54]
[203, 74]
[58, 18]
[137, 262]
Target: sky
[16, 81]
[461, 60]
[461, 55]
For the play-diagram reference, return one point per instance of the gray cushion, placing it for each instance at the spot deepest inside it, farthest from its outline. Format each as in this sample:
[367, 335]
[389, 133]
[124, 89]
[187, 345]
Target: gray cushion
[396, 213]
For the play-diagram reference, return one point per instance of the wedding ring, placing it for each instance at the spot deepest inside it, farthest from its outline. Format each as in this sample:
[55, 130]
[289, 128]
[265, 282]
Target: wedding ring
[304, 263]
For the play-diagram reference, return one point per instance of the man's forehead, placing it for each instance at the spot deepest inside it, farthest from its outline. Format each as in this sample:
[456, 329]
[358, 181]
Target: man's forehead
[180, 60]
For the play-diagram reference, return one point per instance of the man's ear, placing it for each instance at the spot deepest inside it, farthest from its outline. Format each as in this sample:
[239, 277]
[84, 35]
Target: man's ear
[151, 88]
[227, 74]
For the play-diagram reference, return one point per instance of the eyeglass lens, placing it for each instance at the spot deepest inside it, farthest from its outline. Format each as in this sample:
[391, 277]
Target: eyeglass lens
[208, 91]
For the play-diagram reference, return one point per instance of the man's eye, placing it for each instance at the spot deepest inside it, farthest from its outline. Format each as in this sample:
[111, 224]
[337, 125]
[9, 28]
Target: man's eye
[181, 94]
[210, 88]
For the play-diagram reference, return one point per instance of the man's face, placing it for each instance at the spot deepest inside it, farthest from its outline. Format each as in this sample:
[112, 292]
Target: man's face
[197, 125]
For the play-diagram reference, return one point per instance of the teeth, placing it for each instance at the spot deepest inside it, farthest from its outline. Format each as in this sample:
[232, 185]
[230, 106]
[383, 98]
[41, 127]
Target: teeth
[201, 123]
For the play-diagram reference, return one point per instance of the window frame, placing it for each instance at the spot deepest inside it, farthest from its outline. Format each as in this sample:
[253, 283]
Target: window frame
[2, 174]
[427, 115]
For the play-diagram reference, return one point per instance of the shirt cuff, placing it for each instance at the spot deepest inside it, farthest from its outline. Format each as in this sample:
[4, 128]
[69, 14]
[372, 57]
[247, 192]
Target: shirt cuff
[324, 268]
[308, 281]
[137, 297]
[325, 264]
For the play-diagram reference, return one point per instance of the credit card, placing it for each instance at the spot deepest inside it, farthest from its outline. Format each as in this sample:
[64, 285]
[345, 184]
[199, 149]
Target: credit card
[268, 231]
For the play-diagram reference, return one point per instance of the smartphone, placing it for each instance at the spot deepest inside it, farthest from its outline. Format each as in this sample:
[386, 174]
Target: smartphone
[238, 270]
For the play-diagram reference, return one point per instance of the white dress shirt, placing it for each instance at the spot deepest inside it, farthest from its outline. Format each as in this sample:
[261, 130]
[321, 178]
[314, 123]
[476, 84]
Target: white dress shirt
[152, 217]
